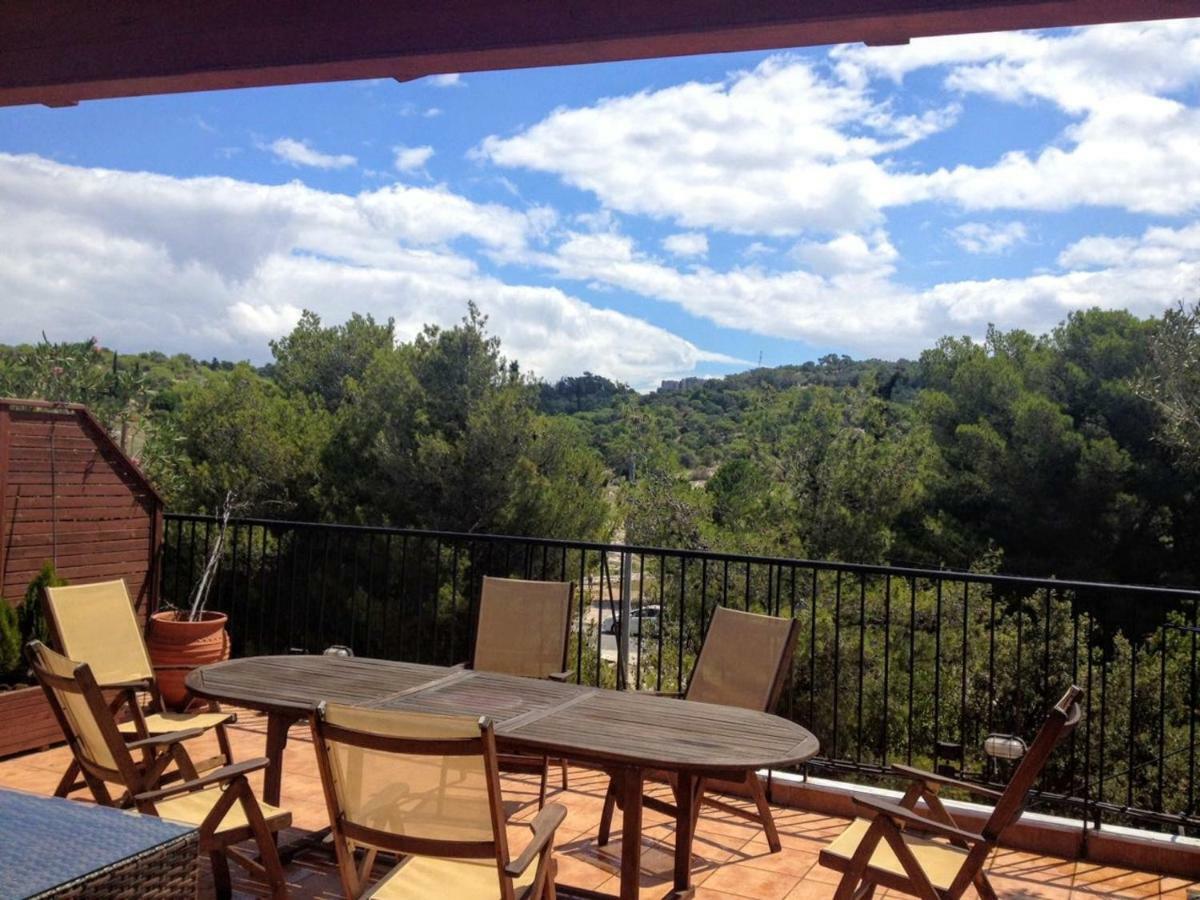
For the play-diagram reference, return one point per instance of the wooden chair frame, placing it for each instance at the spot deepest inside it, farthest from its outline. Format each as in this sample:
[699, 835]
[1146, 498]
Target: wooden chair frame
[143, 782]
[526, 763]
[126, 698]
[889, 822]
[354, 874]
[702, 785]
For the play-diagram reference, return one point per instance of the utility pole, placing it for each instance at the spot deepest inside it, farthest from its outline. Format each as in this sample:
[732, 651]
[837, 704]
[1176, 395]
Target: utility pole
[625, 617]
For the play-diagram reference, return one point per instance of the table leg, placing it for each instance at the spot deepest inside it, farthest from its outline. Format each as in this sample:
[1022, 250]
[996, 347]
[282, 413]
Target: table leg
[631, 833]
[685, 820]
[277, 736]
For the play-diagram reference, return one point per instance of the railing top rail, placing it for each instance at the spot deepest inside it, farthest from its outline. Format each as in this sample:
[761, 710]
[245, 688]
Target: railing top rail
[819, 565]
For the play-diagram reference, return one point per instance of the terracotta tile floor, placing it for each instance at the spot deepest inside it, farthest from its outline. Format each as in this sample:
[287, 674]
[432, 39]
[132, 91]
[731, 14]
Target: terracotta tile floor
[731, 858]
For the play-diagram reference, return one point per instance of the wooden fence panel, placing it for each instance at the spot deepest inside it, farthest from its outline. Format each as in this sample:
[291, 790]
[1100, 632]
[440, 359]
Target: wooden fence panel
[68, 494]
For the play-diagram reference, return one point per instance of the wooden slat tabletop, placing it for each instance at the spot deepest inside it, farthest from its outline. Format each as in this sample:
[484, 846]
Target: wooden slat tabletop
[582, 723]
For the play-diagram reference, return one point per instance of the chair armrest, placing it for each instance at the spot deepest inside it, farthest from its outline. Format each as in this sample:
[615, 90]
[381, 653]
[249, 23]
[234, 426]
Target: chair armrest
[216, 776]
[899, 814]
[164, 740]
[931, 778]
[543, 825]
[133, 684]
[561, 677]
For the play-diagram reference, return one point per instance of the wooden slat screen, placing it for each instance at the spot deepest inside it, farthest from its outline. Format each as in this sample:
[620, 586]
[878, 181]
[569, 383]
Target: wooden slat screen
[68, 494]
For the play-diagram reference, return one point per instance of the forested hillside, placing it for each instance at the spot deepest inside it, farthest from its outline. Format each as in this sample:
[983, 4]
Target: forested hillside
[1072, 453]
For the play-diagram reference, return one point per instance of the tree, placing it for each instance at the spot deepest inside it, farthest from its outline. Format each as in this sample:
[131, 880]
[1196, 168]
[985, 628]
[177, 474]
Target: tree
[1170, 380]
[444, 433]
[320, 361]
[237, 431]
[852, 466]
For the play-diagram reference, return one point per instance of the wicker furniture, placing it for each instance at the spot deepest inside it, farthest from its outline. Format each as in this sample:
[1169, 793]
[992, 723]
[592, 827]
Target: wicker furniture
[426, 787]
[95, 624]
[112, 854]
[744, 662]
[620, 732]
[220, 803]
[883, 848]
[523, 629]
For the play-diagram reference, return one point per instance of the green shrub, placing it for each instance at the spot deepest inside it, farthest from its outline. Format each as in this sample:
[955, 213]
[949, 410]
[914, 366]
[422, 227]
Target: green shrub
[10, 643]
[23, 624]
[32, 617]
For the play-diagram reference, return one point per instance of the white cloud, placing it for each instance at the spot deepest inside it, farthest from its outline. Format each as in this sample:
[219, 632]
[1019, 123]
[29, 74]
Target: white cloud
[301, 153]
[775, 150]
[848, 297]
[687, 243]
[450, 79]
[412, 159]
[215, 266]
[849, 253]
[984, 237]
[1130, 144]
[789, 147]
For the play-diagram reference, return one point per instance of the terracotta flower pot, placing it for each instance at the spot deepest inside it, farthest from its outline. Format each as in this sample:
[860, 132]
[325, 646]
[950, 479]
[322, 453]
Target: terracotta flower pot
[177, 646]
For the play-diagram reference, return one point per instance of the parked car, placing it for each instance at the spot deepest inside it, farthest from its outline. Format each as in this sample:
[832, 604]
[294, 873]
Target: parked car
[641, 621]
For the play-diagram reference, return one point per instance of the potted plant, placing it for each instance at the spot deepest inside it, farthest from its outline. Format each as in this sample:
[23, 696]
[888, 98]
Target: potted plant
[180, 640]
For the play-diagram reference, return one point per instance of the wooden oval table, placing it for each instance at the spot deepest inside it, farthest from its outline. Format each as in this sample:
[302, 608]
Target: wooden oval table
[625, 733]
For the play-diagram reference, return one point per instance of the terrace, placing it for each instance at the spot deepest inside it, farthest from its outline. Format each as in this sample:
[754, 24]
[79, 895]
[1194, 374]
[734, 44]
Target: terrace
[729, 859]
[892, 666]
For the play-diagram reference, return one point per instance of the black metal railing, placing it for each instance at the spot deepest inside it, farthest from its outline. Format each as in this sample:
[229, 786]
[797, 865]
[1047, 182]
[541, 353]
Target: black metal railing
[893, 665]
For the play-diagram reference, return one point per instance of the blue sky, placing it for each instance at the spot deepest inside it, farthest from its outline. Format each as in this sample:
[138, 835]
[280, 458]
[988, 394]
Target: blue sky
[643, 220]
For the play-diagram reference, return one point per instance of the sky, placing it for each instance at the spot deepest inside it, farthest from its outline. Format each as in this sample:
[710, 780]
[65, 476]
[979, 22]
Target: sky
[640, 220]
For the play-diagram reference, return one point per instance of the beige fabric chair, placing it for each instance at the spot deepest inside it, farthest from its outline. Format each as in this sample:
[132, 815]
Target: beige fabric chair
[427, 787]
[524, 628]
[219, 803]
[95, 623]
[881, 850]
[744, 662]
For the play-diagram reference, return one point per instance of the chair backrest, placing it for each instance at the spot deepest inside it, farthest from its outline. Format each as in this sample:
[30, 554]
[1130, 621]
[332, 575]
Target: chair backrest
[523, 627]
[408, 782]
[95, 624]
[83, 714]
[1059, 723]
[744, 661]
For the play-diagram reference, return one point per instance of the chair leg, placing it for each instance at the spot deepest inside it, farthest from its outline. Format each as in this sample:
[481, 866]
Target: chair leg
[265, 838]
[563, 764]
[983, 886]
[606, 817]
[223, 743]
[542, 785]
[66, 784]
[222, 884]
[764, 811]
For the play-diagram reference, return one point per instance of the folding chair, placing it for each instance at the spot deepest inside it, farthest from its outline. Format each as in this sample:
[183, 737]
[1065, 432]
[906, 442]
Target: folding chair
[219, 803]
[94, 623]
[882, 849]
[744, 662]
[428, 788]
[523, 629]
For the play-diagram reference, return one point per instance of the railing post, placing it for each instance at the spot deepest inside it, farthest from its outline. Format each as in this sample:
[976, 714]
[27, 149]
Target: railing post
[625, 620]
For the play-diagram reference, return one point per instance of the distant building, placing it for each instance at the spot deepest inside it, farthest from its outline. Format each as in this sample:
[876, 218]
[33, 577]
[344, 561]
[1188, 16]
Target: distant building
[680, 384]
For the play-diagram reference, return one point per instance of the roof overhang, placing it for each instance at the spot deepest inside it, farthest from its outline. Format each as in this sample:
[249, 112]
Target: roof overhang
[59, 52]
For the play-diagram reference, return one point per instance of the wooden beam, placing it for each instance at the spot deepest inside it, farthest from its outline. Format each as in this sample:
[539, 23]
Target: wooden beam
[59, 52]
